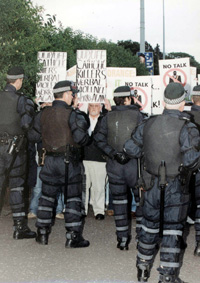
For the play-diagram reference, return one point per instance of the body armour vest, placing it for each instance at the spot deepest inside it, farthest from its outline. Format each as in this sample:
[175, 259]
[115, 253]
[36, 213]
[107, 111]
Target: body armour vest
[161, 142]
[9, 117]
[120, 127]
[196, 119]
[56, 133]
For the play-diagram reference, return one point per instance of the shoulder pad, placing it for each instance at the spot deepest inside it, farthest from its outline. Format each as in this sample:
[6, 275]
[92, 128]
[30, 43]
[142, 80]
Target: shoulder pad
[81, 119]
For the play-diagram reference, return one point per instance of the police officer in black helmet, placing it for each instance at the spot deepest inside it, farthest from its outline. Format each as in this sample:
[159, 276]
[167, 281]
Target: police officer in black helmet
[169, 146]
[195, 111]
[16, 115]
[110, 135]
[63, 131]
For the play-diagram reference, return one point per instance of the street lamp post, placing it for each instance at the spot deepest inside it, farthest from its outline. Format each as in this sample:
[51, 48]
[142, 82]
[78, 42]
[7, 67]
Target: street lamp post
[142, 27]
[163, 29]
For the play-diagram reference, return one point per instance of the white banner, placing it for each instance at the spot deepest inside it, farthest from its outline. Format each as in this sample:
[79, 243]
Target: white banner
[91, 75]
[71, 74]
[157, 95]
[118, 77]
[141, 87]
[193, 77]
[54, 70]
[176, 70]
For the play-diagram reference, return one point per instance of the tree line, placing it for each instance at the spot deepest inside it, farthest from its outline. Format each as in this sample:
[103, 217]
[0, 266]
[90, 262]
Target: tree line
[24, 31]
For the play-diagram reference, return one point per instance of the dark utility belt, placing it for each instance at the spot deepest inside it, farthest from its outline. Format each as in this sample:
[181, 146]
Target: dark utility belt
[72, 154]
[56, 154]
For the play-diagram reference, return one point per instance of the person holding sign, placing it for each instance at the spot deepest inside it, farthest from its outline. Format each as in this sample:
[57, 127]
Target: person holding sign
[168, 145]
[114, 129]
[63, 131]
[16, 116]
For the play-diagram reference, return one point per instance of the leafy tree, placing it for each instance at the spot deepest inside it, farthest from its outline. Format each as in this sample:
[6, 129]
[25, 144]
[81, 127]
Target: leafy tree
[22, 35]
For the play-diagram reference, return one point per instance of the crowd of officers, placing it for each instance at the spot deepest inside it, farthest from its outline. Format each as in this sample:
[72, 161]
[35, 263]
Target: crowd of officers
[154, 156]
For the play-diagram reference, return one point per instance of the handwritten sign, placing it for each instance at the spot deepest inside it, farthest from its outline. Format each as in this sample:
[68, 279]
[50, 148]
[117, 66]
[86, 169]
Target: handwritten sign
[54, 70]
[91, 75]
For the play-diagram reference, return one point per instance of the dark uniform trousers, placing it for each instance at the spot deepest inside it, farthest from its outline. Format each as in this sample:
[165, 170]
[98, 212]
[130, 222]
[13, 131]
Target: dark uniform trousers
[53, 178]
[175, 213]
[197, 199]
[16, 179]
[121, 178]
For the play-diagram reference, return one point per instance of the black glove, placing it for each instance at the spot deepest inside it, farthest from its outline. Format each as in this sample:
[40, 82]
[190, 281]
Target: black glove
[121, 157]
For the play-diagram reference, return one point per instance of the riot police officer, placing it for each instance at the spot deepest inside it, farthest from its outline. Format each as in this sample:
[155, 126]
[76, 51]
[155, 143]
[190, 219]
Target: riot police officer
[16, 115]
[63, 131]
[110, 135]
[195, 111]
[168, 144]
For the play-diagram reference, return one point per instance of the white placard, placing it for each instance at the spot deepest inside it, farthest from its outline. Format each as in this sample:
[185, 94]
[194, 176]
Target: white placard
[54, 70]
[157, 95]
[91, 75]
[141, 86]
[118, 77]
[175, 70]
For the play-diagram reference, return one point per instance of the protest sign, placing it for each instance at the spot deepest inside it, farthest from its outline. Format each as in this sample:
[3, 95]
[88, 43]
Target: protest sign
[71, 74]
[157, 95]
[91, 75]
[193, 77]
[175, 70]
[118, 77]
[141, 90]
[54, 70]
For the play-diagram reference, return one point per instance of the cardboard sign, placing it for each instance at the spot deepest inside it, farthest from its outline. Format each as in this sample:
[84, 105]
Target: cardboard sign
[118, 77]
[54, 70]
[175, 70]
[157, 95]
[141, 88]
[193, 77]
[91, 75]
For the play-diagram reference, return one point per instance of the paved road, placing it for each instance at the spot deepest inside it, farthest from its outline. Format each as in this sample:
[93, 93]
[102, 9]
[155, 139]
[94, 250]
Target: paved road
[26, 261]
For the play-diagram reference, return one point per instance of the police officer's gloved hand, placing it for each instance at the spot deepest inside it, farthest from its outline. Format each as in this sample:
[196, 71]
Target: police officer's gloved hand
[121, 157]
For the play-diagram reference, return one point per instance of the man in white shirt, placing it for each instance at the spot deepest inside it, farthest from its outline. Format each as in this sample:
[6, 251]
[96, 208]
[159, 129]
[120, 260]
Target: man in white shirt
[95, 168]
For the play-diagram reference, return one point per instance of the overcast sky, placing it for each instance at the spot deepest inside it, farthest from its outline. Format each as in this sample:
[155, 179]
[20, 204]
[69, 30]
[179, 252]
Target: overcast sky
[120, 20]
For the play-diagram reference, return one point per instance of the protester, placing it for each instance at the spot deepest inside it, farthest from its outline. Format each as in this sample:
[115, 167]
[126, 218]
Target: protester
[110, 135]
[16, 111]
[95, 168]
[63, 131]
[168, 145]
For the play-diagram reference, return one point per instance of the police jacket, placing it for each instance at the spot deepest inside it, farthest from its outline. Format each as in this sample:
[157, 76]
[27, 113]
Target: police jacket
[77, 124]
[116, 127]
[195, 113]
[188, 139]
[16, 112]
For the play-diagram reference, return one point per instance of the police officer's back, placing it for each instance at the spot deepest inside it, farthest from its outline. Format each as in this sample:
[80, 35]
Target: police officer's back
[168, 145]
[63, 132]
[195, 111]
[16, 114]
[114, 129]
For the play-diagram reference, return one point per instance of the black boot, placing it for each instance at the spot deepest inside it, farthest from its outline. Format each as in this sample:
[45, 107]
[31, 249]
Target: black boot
[75, 240]
[169, 279]
[22, 231]
[43, 235]
[197, 249]
[143, 273]
[123, 243]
